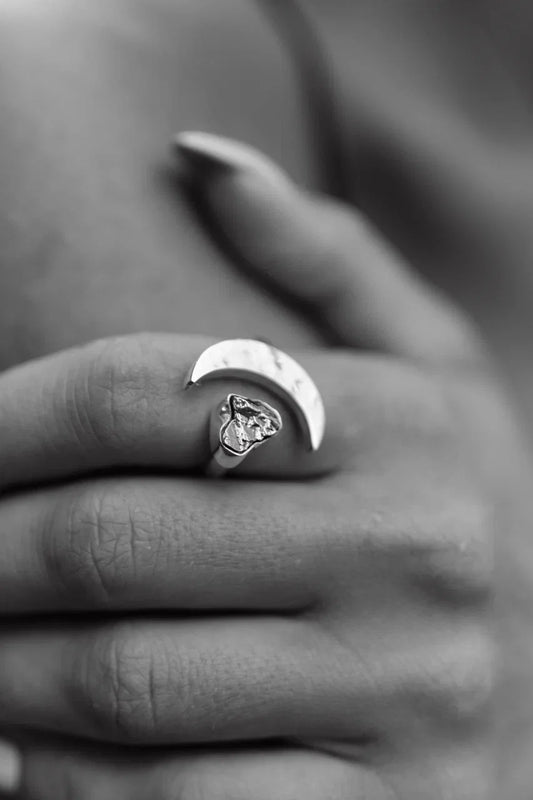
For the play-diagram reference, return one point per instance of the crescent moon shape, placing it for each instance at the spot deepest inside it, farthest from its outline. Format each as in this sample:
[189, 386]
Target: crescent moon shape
[266, 365]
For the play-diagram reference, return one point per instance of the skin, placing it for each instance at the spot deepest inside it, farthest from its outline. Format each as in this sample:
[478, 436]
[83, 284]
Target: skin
[117, 234]
[434, 106]
[373, 641]
[178, 252]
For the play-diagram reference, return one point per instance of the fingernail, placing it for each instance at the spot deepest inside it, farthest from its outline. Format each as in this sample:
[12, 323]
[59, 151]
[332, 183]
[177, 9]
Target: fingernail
[10, 768]
[206, 154]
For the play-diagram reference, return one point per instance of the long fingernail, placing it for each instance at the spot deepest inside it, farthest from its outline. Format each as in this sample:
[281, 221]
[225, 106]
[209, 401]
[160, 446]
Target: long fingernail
[206, 154]
[10, 768]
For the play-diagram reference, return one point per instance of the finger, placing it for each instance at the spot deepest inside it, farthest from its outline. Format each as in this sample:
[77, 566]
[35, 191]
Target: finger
[60, 771]
[123, 403]
[168, 682]
[161, 682]
[322, 256]
[155, 543]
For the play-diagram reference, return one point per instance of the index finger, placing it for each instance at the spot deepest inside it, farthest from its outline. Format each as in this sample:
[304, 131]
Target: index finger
[326, 258]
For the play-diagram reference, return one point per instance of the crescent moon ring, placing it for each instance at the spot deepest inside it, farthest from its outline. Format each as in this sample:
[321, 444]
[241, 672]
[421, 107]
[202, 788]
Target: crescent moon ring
[265, 365]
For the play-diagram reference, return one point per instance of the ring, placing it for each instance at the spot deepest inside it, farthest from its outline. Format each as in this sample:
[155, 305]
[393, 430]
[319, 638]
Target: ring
[239, 424]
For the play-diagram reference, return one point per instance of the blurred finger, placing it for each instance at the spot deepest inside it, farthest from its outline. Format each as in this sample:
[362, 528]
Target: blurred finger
[323, 256]
[55, 772]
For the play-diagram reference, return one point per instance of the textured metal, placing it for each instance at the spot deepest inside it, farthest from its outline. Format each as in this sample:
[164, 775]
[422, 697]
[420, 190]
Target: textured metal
[238, 426]
[263, 364]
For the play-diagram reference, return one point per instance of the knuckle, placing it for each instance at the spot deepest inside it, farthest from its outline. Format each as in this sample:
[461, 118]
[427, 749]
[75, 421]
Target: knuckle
[110, 397]
[94, 552]
[459, 689]
[384, 406]
[454, 558]
[439, 549]
[116, 683]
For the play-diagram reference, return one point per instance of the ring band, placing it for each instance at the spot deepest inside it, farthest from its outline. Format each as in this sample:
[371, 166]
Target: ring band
[239, 424]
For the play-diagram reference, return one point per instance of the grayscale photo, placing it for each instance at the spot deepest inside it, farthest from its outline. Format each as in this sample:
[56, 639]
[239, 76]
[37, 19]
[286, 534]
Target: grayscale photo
[266, 400]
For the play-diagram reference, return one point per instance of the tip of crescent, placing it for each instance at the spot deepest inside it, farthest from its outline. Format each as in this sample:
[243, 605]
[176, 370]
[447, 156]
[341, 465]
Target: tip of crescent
[315, 438]
[192, 378]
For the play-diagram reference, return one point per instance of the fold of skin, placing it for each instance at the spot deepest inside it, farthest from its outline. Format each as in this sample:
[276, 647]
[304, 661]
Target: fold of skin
[96, 239]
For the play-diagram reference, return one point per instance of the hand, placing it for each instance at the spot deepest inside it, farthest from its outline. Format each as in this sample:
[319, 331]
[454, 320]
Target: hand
[346, 610]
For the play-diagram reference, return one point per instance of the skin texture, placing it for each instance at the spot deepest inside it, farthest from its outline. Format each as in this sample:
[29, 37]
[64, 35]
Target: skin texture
[98, 285]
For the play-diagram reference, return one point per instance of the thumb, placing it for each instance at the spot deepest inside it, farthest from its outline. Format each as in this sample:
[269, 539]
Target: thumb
[322, 256]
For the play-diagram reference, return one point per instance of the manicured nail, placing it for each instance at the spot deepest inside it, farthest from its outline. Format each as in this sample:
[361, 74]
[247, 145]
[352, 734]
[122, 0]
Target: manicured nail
[207, 154]
[10, 768]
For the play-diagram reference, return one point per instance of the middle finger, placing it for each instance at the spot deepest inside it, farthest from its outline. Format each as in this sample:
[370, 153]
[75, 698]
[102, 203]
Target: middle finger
[162, 543]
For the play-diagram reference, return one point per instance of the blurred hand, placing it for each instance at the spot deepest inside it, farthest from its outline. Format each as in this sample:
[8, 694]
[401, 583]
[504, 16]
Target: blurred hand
[340, 606]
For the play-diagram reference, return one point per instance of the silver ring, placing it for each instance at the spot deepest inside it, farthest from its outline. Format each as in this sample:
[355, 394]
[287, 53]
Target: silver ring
[239, 424]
